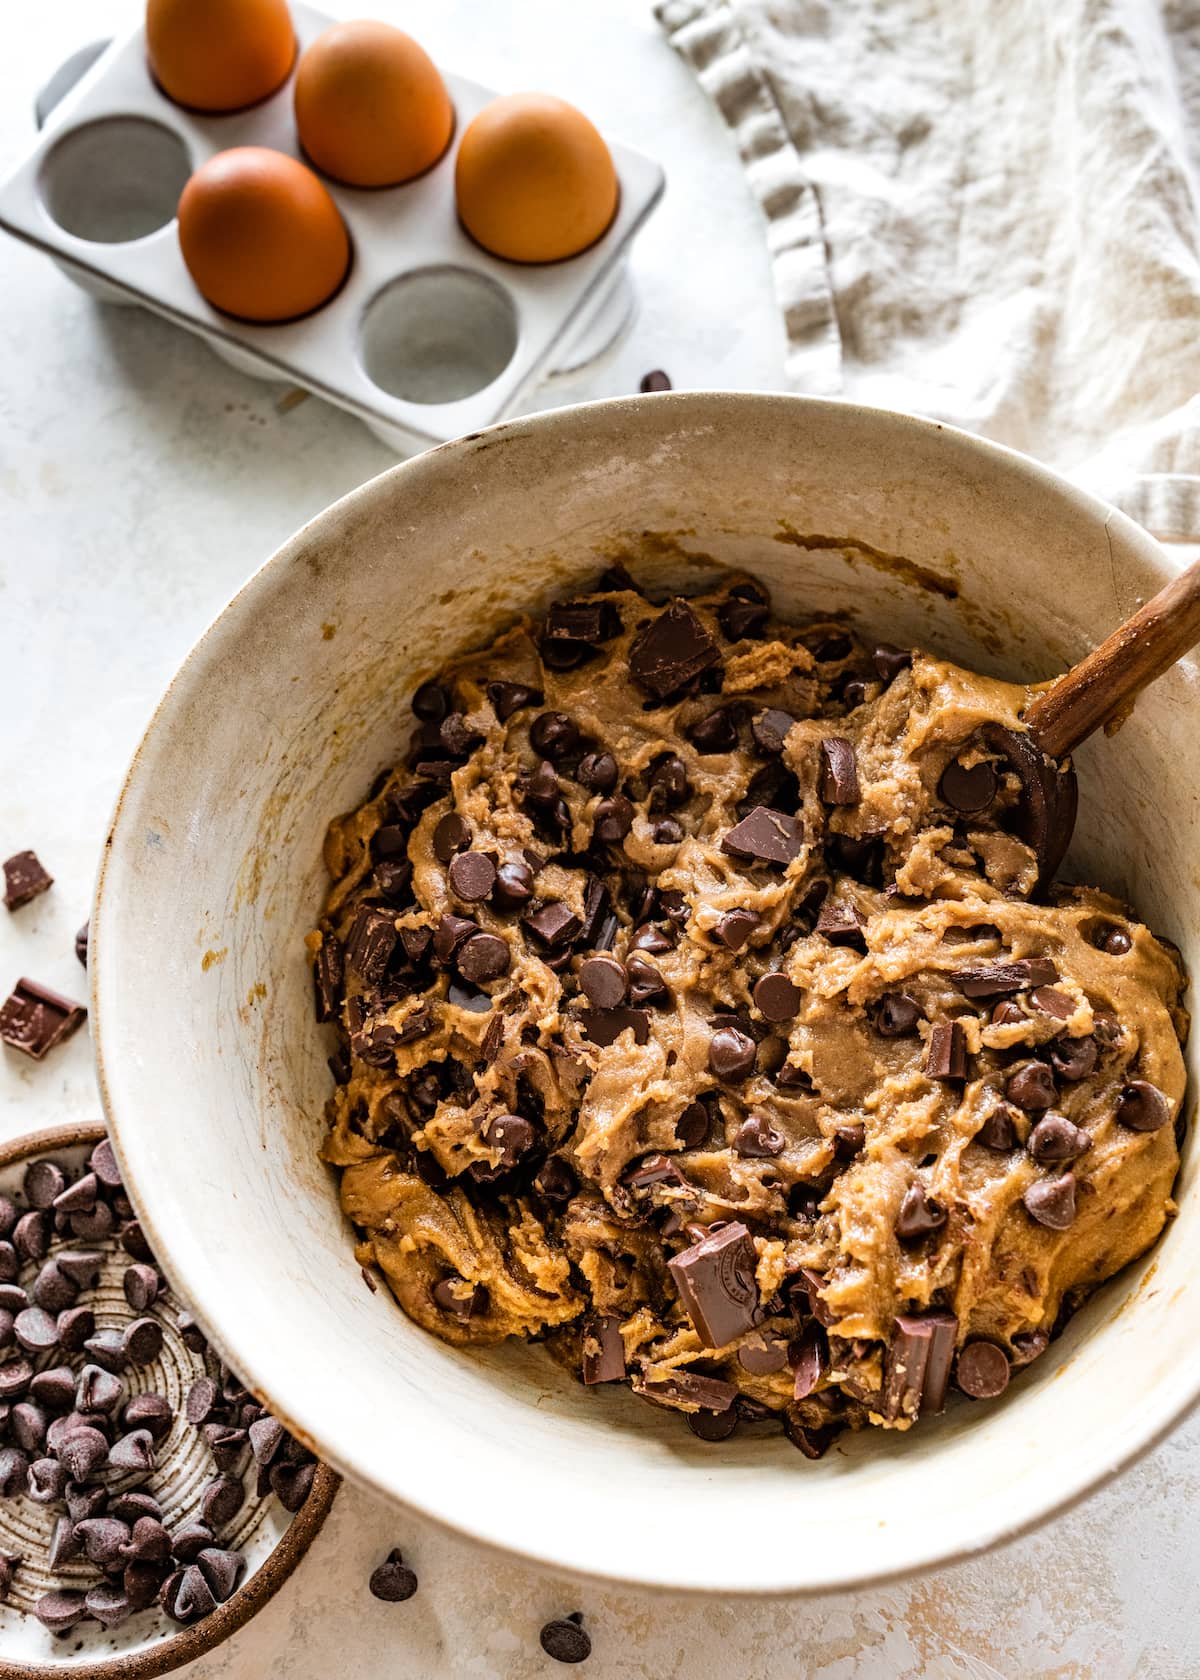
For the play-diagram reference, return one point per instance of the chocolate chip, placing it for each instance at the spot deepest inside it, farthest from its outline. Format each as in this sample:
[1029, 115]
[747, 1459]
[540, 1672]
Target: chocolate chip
[646, 984]
[565, 1641]
[757, 1139]
[108, 1604]
[60, 1611]
[512, 1135]
[430, 703]
[597, 772]
[459, 1297]
[668, 832]
[371, 943]
[1031, 1087]
[221, 1501]
[896, 1015]
[95, 1225]
[604, 982]
[668, 783]
[141, 1284]
[1048, 1000]
[53, 1290]
[1142, 1107]
[716, 1284]
[54, 1388]
[603, 1351]
[889, 661]
[731, 1054]
[997, 979]
[670, 651]
[763, 1353]
[81, 1265]
[841, 923]
[81, 943]
[190, 1540]
[776, 998]
[553, 735]
[999, 1129]
[1113, 940]
[149, 1411]
[605, 1026]
[1074, 1058]
[392, 1580]
[1055, 1138]
[982, 1370]
[44, 1180]
[1051, 1201]
[79, 1197]
[555, 924]
[946, 1051]
[107, 1348]
[36, 1330]
[765, 836]
[450, 836]
[917, 1368]
[849, 1139]
[472, 876]
[713, 1426]
[27, 1425]
[589, 622]
[968, 788]
[24, 879]
[838, 781]
[14, 1468]
[510, 697]
[735, 928]
[10, 1262]
[75, 1327]
[131, 1505]
[457, 736]
[104, 1539]
[919, 1214]
[716, 733]
[514, 886]
[656, 380]
[449, 934]
[65, 1544]
[770, 729]
[745, 613]
[556, 1179]
[613, 820]
[203, 1400]
[186, 1596]
[13, 1298]
[82, 1453]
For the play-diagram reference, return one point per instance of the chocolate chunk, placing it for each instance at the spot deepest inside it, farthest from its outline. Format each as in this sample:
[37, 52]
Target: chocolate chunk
[999, 1129]
[514, 886]
[221, 1501]
[670, 651]
[613, 820]
[716, 1284]
[1048, 1000]
[808, 1356]
[765, 836]
[450, 836]
[392, 1580]
[1055, 1138]
[458, 1296]
[564, 1640]
[770, 729]
[449, 934]
[919, 1214]
[968, 789]
[745, 613]
[60, 1611]
[889, 661]
[430, 703]
[716, 733]
[34, 1019]
[838, 782]
[589, 622]
[553, 925]
[735, 928]
[1074, 1058]
[792, 1077]
[713, 1426]
[813, 1442]
[731, 1054]
[371, 943]
[24, 879]
[416, 942]
[982, 1370]
[668, 783]
[896, 1015]
[946, 1051]
[603, 1349]
[605, 1026]
[466, 997]
[776, 998]
[997, 979]
[510, 697]
[688, 1390]
[472, 876]
[841, 923]
[1031, 1087]
[757, 1139]
[1142, 1107]
[604, 982]
[917, 1367]
[1051, 1201]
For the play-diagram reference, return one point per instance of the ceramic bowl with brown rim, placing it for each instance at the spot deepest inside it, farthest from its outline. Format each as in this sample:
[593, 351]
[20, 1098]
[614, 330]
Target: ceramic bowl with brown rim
[271, 1541]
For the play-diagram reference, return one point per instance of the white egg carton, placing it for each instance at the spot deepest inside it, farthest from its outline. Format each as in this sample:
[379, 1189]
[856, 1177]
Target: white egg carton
[428, 338]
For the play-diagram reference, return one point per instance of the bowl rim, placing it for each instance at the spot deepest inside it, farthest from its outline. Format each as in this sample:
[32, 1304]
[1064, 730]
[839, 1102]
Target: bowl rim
[186, 1643]
[1157, 1418]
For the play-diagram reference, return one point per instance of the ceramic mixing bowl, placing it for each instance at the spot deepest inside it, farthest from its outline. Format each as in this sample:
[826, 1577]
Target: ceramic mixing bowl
[215, 1075]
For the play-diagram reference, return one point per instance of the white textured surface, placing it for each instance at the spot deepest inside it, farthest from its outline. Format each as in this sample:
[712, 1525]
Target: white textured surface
[140, 480]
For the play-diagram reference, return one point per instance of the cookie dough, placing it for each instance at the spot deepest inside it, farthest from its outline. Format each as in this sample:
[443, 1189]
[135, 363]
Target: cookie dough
[706, 1011]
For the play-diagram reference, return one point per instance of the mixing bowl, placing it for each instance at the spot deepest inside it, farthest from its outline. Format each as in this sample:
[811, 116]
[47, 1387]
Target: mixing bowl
[214, 1073]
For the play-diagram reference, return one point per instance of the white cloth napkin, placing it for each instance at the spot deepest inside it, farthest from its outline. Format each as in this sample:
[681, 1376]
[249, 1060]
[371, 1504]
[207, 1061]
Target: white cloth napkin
[984, 210]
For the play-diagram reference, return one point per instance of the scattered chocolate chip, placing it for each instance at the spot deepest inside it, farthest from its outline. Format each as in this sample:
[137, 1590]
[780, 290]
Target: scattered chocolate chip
[108, 1604]
[919, 1214]
[24, 880]
[997, 979]
[604, 981]
[745, 612]
[81, 1265]
[668, 783]
[565, 1641]
[613, 819]
[770, 729]
[896, 1015]
[1051, 1201]
[104, 1539]
[968, 789]
[731, 1054]
[1074, 1058]
[186, 1596]
[96, 1224]
[450, 836]
[982, 1370]
[75, 1327]
[510, 697]
[191, 1334]
[107, 1348]
[81, 943]
[1142, 1107]
[430, 703]
[597, 772]
[203, 1401]
[776, 998]
[54, 1388]
[472, 876]
[53, 1290]
[141, 1284]
[656, 380]
[79, 1197]
[65, 1544]
[149, 1411]
[34, 1019]
[838, 780]
[756, 1138]
[1113, 940]
[1031, 1087]
[765, 836]
[44, 1181]
[735, 928]
[14, 1468]
[670, 651]
[716, 1284]
[917, 1368]
[946, 1051]
[27, 1426]
[1055, 1138]
[392, 1580]
[292, 1483]
[221, 1501]
[999, 1129]
[82, 1453]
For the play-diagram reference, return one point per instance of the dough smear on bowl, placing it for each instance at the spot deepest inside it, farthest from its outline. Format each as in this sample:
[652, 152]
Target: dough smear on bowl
[706, 1010]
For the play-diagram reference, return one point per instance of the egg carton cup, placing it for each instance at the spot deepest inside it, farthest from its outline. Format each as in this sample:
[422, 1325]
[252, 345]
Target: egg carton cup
[428, 337]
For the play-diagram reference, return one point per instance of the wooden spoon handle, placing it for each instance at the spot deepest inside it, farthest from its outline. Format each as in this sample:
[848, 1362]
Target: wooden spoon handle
[1108, 680]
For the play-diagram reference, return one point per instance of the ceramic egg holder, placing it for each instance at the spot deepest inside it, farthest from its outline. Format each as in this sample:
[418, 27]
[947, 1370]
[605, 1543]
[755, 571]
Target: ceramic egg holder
[429, 337]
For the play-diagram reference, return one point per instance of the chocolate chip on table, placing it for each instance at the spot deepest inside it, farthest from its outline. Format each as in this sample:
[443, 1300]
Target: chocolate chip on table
[765, 836]
[656, 380]
[1031, 1087]
[841, 923]
[564, 1640]
[757, 1139]
[81, 943]
[917, 1367]
[716, 1283]
[968, 788]
[604, 981]
[838, 781]
[776, 998]
[982, 1370]
[603, 1351]
[920, 1214]
[735, 928]
[770, 729]
[507, 698]
[946, 1051]
[605, 1026]
[1055, 1138]
[896, 1015]
[33, 1019]
[1142, 1107]
[670, 651]
[1051, 1201]
[60, 1611]
[24, 879]
[392, 1581]
[999, 1129]
[731, 1054]
[991, 980]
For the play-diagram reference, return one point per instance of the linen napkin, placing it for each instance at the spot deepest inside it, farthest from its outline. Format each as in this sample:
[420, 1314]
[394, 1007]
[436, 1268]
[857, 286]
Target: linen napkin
[986, 211]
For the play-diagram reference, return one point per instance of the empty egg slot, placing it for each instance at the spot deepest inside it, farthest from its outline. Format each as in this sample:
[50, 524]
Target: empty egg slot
[437, 334]
[114, 180]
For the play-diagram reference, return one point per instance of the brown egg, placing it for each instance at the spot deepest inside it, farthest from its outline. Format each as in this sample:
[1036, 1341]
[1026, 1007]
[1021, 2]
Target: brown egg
[371, 106]
[261, 236]
[218, 55]
[535, 180]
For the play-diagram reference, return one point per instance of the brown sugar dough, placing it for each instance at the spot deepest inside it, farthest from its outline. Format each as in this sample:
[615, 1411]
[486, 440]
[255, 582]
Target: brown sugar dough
[837, 1095]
